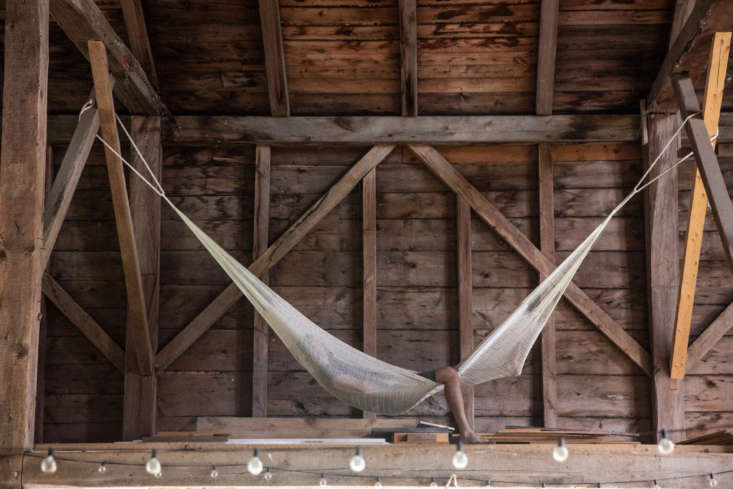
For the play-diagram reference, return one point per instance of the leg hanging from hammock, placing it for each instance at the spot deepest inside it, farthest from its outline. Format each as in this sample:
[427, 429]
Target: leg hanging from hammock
[448, 376]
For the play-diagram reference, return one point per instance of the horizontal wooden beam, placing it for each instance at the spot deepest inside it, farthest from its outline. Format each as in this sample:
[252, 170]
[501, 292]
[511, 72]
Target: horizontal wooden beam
[310, 427]
[82, 21]
[188, 465]
[689, 52]
[272, 255]
[527, 250]
[82, 320]
[394, 130]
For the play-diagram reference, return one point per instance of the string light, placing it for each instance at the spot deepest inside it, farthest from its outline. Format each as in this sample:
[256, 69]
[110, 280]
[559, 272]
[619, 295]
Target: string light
[323, 482]
[460, 459]
[433, 483]
[357, 462]
[560, 452]
[378, 483]
[153, 466]
[48, 464]
[102, 468]
[665, 445]
[214, 473]
[712, 481]
[268, 474]
[254, 466]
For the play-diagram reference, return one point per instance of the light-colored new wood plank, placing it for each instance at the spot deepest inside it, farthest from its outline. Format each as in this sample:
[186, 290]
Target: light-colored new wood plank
[136, 304]
[714, 87]
[272, 40]
[518, 241]
[546, 186]
[22, 191]
[273, 254]
[261, 239]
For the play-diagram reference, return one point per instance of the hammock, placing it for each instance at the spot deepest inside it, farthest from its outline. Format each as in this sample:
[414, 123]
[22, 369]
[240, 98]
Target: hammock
[372, 384]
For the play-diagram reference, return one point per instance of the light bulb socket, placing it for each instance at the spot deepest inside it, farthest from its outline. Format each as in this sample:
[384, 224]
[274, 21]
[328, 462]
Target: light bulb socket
[711, 476]
[256, 452]
[459, 446]
[154, 453]
[50, 452]
[213, 468]
[664, 433]
[323, 476]
[379, 479]
[561, 442]
[432, 479]
[358, 451]
[267, 470]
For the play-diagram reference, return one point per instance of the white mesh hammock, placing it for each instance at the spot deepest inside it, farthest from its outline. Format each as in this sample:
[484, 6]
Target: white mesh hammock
[367, 382]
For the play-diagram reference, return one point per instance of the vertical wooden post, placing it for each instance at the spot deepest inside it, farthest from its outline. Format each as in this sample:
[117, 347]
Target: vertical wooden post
[465, 294]
[546, 54]
[22, 186]
[547, 246]
[272, 41]
[140, 395]
[369, 245]
[408, 51]
[662, 239]
[260, 332]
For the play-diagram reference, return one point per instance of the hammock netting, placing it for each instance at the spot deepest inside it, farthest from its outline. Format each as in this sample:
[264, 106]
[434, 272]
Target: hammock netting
[369, 383]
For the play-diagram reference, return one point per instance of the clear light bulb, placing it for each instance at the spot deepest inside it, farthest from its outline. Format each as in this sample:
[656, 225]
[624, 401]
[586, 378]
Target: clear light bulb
[433, 483]
[560, 452]
[712, 481]
[323, 482]
[378, 484]
[656, 485]
[268, 474]
[460, 459]
[152, 466]
[102, 468]
[214, 473]
[158, 475]
[254, 466]
[48, 464]
[357, 462]
[665, 445]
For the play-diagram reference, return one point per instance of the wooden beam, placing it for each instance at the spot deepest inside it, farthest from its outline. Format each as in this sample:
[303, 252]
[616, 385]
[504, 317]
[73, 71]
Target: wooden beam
[369, 265]
[260, 242]
[465, 296]
[139, 404]
[291, 427]
[517, 240]
[689, 51]
[707, 163]
[137, 315]
[662, 239]
[547, 51]
[64, 185]
[137, 33]
[291, 237]
[546, 186]
[185, 465]
[22, 189]
[272, 41]
[195, 130]
[713, 101]
[408, 56]
[82, 21]
[96, 335]
[710, 337]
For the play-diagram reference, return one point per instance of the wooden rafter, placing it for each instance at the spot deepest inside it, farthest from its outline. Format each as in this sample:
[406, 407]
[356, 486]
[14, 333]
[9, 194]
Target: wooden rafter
[517, 240]
[272, 41]
[689, 49]
[369, 264]
[64, 185]
[707, 163]
[137, 32]
[261, 239]
[710, 337]
[136, 304]
[22, 189]
[191, 130]
[408, 56]
[547, 51]
[546, 186]
[294, 234]
[88, 326]
[715, 83]
[82, 21]
[139, 404]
